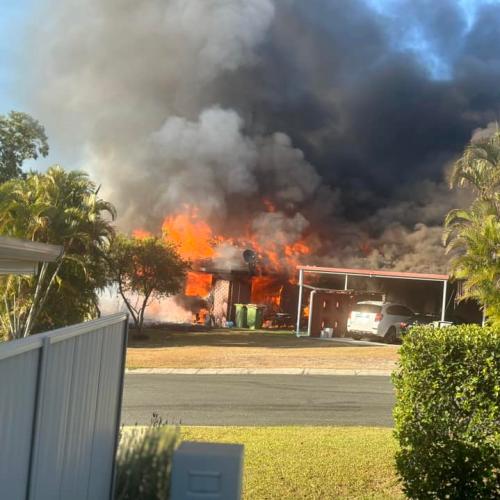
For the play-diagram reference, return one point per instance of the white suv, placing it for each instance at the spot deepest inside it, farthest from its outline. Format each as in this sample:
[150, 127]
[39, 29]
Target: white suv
[376, 318]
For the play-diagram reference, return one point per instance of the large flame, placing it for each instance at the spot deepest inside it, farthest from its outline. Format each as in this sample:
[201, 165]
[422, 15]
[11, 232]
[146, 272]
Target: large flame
[198, 284]
[198, 242]
[192, 235]
[267, 290]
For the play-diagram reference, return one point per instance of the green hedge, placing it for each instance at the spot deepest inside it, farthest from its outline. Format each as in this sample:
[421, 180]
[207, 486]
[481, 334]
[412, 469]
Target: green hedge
[448, 412]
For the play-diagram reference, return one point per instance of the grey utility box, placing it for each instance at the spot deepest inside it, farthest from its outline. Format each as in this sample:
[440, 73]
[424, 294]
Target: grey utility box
[207, 471]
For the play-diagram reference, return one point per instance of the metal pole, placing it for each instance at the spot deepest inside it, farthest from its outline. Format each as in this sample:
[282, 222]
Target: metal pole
[483, 321]
[345, 282]
[37, 418]
[443, 305]
[299, 307]
[119, 399]
[311, 304]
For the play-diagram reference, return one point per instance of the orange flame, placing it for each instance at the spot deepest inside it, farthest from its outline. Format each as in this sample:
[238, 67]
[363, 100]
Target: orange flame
[197, 241]
[198, 284]
[193, 236]
[267, 290]
[202, 316]
[141, 234]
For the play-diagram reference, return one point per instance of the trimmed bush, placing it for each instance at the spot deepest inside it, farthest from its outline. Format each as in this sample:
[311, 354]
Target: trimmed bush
[143, 462]
[448, 412]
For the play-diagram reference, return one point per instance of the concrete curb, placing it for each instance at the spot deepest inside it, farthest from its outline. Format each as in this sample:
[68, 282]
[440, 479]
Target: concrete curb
[256, 371]
[351, 342]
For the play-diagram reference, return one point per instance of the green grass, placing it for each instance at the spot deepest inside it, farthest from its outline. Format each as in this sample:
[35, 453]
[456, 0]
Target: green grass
[313, 463]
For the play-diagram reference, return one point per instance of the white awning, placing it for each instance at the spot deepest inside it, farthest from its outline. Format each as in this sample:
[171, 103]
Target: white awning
[22, 256]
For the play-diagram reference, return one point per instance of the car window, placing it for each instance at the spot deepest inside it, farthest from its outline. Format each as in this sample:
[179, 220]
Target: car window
[367, 308]
[399, 311]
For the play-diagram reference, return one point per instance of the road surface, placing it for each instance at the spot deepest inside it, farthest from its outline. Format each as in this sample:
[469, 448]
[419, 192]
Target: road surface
[258, 399]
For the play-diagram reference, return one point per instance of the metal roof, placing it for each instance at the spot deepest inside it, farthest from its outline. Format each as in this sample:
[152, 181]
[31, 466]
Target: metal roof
[374, 273]
[22, 256]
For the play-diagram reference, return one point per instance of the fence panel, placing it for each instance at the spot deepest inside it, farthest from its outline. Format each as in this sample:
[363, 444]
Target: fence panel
[18, 379]
[66, 417]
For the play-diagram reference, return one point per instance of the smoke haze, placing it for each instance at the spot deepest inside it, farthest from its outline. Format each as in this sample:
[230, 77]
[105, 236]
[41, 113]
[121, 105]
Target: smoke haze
[344, 114]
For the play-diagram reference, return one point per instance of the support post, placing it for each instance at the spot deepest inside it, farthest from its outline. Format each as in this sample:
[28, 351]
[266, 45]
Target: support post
[345, 282]
[116, 430]
[299, 307]
[37, 418]
[443, 304]
[311, 305]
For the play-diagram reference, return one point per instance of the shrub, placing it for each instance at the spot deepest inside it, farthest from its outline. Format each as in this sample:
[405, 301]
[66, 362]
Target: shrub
[448, 412]
[144, 461]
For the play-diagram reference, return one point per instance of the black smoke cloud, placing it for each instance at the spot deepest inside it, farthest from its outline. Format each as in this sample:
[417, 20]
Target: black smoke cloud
[346, 114]
[368, 113]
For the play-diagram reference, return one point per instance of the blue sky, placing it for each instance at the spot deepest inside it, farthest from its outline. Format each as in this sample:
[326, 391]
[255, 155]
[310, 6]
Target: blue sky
[13, 14]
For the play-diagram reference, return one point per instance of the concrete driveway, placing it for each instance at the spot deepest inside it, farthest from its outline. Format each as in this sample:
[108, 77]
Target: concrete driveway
[259, 399]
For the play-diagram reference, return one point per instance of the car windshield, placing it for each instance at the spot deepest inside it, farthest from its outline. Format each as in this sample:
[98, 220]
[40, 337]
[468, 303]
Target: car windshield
[367, 308]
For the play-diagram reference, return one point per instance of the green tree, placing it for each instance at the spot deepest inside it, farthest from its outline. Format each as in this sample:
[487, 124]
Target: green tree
[62, 208]
[472, 235]
[145, 269]
[21, 138]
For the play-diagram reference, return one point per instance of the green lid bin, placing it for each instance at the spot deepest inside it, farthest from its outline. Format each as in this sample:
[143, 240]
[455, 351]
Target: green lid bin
[255, 316]
[241, 315]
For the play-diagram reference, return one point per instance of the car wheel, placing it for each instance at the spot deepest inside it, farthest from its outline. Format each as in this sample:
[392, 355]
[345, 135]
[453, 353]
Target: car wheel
[390, 336]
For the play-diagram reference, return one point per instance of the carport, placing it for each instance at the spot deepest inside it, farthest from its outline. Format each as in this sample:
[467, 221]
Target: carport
[23, 256]
[366, 273]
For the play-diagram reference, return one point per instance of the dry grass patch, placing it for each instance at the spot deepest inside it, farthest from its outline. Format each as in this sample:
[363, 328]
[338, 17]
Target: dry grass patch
[252, 349]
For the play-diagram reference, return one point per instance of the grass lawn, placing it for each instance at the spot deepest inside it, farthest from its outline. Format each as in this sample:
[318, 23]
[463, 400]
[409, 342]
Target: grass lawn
[313, 463]
[252, 349]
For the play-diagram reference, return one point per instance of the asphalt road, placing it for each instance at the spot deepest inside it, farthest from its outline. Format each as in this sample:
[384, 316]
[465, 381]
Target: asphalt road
[258, 399]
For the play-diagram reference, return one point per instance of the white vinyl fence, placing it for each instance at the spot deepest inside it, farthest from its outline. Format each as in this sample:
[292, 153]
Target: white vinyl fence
[60, 402]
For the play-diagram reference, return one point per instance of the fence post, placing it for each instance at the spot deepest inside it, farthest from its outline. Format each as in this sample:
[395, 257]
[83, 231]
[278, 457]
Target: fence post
[119, 407]
[40, 389]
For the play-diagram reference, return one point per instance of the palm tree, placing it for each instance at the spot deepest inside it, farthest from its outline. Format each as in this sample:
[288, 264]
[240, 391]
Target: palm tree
[473, 238]
[472, 235]
[479, 168]
[62, 208]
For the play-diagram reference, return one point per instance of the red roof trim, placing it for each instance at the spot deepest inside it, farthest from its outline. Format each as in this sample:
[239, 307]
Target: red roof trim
[375, 273]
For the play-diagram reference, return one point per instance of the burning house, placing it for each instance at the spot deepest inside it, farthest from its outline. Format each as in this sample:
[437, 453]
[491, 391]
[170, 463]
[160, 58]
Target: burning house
[229, 270]
[302, 131]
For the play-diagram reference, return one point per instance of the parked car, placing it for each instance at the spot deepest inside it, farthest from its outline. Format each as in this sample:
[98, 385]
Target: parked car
[421, 319]
[377, 319]
[418, 319]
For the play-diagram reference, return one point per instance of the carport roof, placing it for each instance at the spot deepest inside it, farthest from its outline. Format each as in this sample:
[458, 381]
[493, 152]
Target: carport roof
[22, 256]
[374, 273]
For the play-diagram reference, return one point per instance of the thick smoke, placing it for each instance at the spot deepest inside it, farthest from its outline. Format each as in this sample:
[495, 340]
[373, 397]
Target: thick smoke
[482, 134]
[343, 115]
